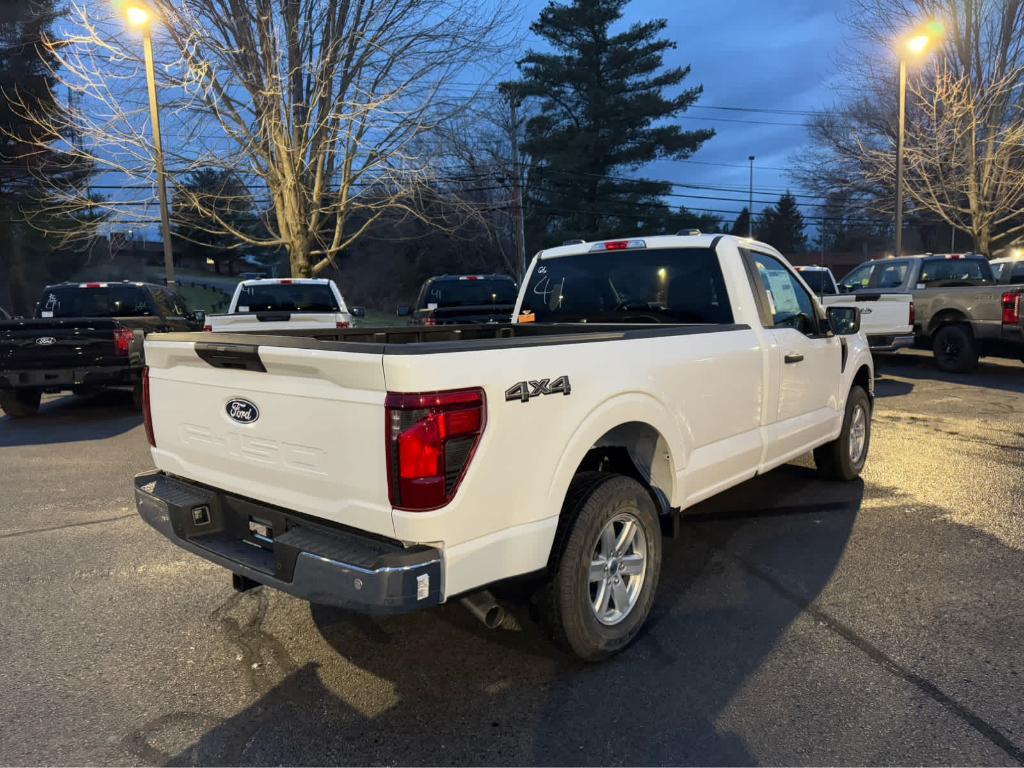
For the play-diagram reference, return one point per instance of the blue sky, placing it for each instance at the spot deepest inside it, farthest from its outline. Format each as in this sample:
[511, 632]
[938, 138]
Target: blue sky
[777, 55]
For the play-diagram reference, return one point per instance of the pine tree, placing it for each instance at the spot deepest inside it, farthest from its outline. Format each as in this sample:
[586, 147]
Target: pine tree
[209, 202]
[26, 85]
[604, 109]
[782, 226]
[741, 227]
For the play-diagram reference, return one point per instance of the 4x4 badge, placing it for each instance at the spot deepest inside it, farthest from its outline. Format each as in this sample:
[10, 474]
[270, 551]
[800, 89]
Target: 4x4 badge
[524, 390]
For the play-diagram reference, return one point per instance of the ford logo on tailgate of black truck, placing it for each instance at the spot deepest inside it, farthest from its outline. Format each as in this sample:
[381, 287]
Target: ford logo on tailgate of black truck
[242, 411]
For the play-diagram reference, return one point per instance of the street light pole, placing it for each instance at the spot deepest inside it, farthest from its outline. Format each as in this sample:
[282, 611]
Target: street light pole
[750, 206]
[899, 157]
[161, 171]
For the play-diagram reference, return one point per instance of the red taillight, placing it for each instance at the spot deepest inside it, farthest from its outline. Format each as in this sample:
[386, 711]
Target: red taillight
[284, 282]
[1011, 308]
[123, 341]
[430, 320]
[207, 328]
[617, 245]
[147, 416]
[913, 315]
[341, 324]
[431, 439]
[94, 285]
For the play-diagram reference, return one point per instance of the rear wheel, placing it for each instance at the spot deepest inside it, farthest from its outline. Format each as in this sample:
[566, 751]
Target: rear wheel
[954, 349]
[605, 566]
[844, 457]
[19, 403]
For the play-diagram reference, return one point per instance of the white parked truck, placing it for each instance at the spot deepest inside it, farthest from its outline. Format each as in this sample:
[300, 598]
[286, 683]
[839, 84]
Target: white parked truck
[279, 304]
[887, 319]
[386, 470]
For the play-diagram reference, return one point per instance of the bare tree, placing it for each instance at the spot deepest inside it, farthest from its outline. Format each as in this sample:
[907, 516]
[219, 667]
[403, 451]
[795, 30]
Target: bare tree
[320, 106]
[964, 146]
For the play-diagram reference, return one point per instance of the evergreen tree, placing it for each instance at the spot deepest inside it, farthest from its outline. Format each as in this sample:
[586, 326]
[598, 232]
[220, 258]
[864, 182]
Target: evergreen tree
[604, 109]
[782, 226]
[741, 227]
[207, 205]
[28, 259]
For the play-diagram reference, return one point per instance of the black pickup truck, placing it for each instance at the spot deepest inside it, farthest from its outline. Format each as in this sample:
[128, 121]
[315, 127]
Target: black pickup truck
[85, 337]
[463, 299]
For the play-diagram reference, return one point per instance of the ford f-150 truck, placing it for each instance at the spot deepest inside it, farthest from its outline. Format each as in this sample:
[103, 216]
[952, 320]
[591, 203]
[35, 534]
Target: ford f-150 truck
[275, 304]
[463, 299]
[960, 311]
[85, 337]
[386, 470]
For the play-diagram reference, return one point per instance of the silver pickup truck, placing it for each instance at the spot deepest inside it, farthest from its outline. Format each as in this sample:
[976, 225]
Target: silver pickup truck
[961, 313]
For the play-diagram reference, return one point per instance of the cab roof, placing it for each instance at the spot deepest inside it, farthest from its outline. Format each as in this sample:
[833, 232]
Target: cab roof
[649, 242]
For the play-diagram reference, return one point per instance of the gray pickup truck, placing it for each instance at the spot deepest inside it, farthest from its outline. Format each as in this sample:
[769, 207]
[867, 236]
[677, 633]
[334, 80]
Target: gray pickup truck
[961, 312]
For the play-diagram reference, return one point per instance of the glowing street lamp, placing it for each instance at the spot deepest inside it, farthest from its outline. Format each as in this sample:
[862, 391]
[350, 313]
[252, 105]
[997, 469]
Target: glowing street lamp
[914, 46]
[141, 17]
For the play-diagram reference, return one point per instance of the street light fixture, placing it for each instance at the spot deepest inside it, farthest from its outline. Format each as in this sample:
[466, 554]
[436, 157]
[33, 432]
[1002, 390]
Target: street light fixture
[914, 46]
[141, 17]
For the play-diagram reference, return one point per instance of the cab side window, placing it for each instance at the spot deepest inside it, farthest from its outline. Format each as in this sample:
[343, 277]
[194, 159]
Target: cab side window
[789, 303]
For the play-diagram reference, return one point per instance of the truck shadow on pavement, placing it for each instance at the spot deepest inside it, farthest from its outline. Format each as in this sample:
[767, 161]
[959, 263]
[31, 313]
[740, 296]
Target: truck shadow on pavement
[1005, 375]
[70, 419]
[439, 688]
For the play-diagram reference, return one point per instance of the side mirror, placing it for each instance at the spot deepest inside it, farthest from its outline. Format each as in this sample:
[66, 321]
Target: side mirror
[197, 316]
[844, 321]
[404, 310]
[357, 311]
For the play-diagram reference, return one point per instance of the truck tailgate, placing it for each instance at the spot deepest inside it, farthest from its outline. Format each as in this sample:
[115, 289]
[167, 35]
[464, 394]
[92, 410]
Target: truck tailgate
[57, 343]
[295, 428]
[268, 322]
[882, 314]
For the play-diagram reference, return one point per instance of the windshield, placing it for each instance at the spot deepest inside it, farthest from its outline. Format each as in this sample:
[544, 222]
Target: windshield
[818, 280]
[277, 297]
[681, 285]
[969, 271]
[110, 301]
[466, 292]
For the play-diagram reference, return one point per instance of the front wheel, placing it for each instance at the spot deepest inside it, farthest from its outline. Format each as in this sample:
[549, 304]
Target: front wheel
[19, 403]
[605, 566]
[844, 457]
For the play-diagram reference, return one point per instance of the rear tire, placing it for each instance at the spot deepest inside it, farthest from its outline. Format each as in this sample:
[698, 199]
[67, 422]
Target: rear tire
[604, 567]
[844, 457]
[954, 349]
[20, 403]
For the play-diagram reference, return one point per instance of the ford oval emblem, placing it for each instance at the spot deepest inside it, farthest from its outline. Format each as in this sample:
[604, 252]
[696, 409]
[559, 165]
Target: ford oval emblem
[242, 411]
[46, 341]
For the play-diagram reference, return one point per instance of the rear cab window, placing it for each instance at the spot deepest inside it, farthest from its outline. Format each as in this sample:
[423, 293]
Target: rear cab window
[467, 292]
[941, 271]
[819, 281]
[282, 297]
[657, 285]
[105, 301]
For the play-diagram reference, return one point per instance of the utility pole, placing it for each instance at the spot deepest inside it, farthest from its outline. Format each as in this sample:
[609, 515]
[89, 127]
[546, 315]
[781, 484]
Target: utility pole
[161, 171]
[518, 227]
[750, 206]
[899, 157]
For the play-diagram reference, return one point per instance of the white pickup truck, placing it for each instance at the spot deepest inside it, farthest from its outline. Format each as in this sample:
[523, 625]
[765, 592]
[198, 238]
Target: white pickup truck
[387, 470]
[284, 304]
[887, 319]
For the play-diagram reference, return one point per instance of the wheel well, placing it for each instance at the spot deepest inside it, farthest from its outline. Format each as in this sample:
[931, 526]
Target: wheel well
[947, 316]
[637, 450]
[863, 379]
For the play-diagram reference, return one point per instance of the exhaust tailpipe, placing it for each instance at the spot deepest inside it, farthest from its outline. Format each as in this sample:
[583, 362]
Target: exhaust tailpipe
[483, 605]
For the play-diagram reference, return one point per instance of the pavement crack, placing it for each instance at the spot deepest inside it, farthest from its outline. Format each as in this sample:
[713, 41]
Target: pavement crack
[811, 607]
[66, 525]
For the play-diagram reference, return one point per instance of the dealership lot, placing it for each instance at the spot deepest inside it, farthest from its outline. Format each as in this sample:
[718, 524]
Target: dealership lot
[797, 621]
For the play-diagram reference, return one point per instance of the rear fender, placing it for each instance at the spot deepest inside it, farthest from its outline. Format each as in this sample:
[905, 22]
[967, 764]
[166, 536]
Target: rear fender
[633, 408]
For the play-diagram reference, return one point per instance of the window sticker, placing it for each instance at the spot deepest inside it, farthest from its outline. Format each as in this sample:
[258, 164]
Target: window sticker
[46, 313]
[431, 305]
[243, 309]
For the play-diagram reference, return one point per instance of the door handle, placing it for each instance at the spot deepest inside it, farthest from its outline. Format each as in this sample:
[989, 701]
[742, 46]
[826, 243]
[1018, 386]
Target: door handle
[793, 357]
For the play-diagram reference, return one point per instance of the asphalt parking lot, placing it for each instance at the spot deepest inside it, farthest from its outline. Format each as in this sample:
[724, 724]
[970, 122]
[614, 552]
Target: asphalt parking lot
[797, 621]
